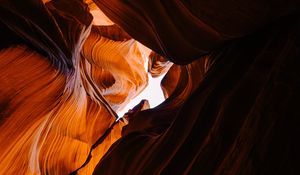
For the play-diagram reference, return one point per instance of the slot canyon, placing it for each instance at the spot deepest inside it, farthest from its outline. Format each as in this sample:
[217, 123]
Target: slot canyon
[231, 87]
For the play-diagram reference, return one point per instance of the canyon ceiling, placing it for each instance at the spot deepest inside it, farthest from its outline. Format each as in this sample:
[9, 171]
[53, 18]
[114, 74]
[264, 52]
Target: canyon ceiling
[232, 87]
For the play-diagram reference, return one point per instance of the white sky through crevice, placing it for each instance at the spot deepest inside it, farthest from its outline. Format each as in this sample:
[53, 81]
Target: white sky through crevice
[153, 92]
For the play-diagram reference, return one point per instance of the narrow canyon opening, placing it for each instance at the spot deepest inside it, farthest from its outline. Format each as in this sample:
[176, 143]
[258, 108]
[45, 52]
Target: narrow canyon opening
[153, 93]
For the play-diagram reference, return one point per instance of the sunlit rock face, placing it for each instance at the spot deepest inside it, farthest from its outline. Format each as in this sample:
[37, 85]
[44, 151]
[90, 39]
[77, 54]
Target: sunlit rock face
[117, 66]
[61, 84]
[231, 87]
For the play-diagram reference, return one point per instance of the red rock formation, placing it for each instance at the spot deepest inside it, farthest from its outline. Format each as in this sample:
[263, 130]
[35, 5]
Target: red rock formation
[57, 99]
[242, 117]
[117, 67]
[231, 109]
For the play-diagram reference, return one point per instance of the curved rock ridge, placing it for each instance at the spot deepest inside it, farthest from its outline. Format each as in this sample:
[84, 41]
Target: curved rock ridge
[236, 120]
[231, 87]
[183, 31]
[242, 116]
[58, 101]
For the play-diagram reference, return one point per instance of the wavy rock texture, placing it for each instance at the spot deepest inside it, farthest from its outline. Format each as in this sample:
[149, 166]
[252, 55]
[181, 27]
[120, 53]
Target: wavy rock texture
[231, 106]
[238, 120]
[122, 61]
[57, 99]
[240, 116]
